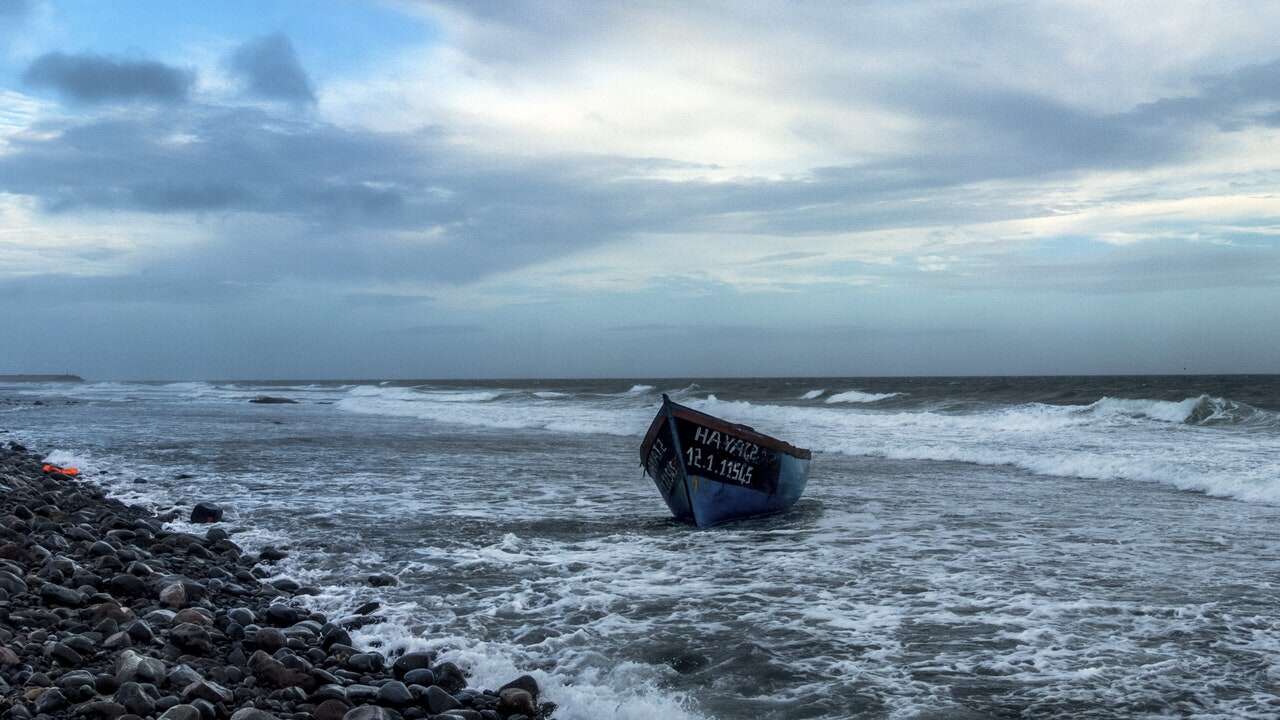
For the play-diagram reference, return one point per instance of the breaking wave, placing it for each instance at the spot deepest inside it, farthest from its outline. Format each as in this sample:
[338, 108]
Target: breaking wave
[1201, 410]
[857, 396]
[813, 394]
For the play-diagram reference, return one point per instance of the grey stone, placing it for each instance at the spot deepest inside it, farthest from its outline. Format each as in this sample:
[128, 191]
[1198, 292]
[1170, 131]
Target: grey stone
[132, 667]
[269, 639]
[358, 693]
[101, 709]
[365, 662]
[412, 661]
[420, 676]
[516, 701]
[206, 512]
[331, 691]
[50, 701]
[181, 712]
[394, 693]
[331, 710]
[54, 594]
[136, 699]
[242, 615]
[251, 713]
[11, 583]
[182, 676]
[174, 595]
[63, 654]
[140, 631]
[75, 678]
[191, 637]
[439, 701]
[450, 677]
[208, 691]
[371, 712]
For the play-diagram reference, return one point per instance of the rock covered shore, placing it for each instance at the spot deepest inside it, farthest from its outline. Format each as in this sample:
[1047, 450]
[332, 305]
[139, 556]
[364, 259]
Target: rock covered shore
[106, 615]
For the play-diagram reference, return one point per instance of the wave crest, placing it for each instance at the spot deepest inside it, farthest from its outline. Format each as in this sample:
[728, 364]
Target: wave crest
[1200, 410]
[857, 396]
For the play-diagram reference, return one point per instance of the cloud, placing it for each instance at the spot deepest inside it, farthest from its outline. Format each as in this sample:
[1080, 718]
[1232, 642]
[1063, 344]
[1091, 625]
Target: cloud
[269, 68]
[95, 78]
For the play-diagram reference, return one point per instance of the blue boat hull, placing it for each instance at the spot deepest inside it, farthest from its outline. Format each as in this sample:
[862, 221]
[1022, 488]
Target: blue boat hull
[715, 503]
[710, 471]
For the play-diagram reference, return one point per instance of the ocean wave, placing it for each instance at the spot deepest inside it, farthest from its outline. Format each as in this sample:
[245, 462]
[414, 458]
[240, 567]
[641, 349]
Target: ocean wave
[1200, 410]
[857, 396]
[813, 394]
[475, 409]
[640, 390]
[1145, 440]
[421, 394]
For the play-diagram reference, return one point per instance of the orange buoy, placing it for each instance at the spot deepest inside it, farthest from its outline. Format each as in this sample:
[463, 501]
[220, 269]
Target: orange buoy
[69, 471]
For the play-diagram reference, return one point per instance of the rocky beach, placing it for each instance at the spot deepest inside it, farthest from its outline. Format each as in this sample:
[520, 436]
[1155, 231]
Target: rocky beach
[106, 614]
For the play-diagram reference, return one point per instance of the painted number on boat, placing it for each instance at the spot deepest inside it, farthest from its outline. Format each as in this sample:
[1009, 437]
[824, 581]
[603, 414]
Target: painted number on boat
[726, 458]
[696, 459]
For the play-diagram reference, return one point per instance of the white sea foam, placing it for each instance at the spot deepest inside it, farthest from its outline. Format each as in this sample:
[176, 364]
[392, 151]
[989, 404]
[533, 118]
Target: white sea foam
[1175, 443]
[476, 410]
[813, 394]
[857, 396]
[639, 390]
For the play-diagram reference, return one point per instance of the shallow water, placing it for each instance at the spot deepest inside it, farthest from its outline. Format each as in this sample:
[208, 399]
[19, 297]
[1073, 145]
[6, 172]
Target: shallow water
[1067, 547]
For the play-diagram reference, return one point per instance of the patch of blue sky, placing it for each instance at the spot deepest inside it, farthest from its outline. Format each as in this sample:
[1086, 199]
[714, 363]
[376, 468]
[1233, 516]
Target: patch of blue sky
[331, 39]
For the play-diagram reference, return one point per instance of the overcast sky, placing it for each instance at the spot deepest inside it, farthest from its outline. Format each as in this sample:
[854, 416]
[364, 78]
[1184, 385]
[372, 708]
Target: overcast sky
[418, 189]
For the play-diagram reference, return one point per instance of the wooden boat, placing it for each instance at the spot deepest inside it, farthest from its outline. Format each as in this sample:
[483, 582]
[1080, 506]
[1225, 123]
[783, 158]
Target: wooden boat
[711, 471]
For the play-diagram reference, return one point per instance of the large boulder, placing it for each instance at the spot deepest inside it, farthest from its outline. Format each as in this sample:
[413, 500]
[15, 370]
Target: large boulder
[206, 512]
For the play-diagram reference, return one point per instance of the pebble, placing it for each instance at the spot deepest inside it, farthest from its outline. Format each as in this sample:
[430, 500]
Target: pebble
[100, 618]
[269, 639]
[365, 662]
[439, 701]
[174, 595]
[331, 710]
[371, 712]
[191, 637]
[420, 676]
[516, 701]
[181, 712]
[412, 661]
[50, 701]
[252, 714]
[54, 594]
[394, 693]
[136, 699]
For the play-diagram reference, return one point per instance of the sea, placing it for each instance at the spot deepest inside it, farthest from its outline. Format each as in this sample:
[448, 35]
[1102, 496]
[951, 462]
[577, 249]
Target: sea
[1009, 547]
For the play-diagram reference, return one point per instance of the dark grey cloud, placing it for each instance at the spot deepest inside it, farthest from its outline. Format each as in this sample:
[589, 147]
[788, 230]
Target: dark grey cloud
[269, 68]
[95, 78]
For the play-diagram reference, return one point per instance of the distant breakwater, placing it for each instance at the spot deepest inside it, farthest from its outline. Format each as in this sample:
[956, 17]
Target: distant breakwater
[107, 615]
